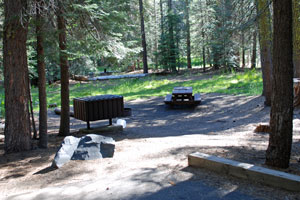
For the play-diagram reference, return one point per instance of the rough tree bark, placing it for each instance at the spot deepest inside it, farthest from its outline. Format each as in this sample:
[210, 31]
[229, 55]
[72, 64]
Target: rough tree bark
[43, 137]
[188, 35]
[64, 128]
[144, 44]
[17, 125]
[296, 37]
[281, 120]
[265, 41]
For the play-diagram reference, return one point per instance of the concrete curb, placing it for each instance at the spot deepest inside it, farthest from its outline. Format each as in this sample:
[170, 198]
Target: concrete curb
[246, 171]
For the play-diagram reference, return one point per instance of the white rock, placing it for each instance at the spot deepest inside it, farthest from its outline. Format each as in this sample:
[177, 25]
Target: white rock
[121, 122]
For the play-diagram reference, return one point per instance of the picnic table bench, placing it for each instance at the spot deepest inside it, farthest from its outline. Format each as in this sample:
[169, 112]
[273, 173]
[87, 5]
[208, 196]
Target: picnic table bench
[183, 96]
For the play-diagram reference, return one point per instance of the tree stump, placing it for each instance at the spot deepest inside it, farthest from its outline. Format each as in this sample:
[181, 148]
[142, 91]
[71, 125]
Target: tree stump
[263, 128]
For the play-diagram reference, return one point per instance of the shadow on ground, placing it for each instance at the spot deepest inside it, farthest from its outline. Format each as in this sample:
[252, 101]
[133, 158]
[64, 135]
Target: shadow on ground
[218, 115]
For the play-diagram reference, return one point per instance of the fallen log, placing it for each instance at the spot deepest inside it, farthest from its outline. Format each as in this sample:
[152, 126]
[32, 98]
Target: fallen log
[79, 78]
[58, 111]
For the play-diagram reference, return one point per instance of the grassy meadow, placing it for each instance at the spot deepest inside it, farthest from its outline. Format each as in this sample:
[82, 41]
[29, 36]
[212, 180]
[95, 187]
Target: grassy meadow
[246, 83]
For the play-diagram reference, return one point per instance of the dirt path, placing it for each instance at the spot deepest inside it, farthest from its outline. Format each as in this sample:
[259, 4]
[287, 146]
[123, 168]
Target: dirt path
[151, 153]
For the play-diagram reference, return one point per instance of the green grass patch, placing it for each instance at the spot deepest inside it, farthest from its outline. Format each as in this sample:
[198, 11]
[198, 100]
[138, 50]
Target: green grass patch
[247, 83]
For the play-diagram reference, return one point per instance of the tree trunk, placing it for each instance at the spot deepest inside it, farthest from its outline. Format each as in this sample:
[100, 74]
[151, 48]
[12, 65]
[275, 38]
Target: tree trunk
[43, 139]
[64, 128]
[155, 37]
[243, 37]
[164, 54]
[188, 35]
[203, 51]
[144, 44]
[17, 125]
[178, 62]
[243, 54]
[161, 17]
[203, 37]
[209, 58]
[204, 59]
[253, 59]
[216, 59]
[31, 112]
[138, 64]
[172, 54]
[265, 41]
[281, 120]
[296, 37]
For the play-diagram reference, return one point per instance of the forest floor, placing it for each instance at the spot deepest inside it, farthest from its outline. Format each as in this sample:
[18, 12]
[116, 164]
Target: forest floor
[151, 154]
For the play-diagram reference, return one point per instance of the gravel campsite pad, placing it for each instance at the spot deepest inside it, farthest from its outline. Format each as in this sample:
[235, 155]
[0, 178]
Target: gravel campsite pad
[151, 155]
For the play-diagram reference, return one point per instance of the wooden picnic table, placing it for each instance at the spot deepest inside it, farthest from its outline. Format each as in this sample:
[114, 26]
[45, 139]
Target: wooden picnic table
[182, 90]
[183, 96]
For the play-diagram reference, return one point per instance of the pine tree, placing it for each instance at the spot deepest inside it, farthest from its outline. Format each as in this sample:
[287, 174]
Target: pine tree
[296, 37]
[188, 35]
[265, 40]
[17, 125]
[171, 41]
[43, 137]
[144, 44]
[64, 128]
[281, 117]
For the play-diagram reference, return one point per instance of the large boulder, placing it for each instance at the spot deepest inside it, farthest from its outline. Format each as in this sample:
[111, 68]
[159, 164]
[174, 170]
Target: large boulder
[88, 147]
[66, 151]
[93, 147]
